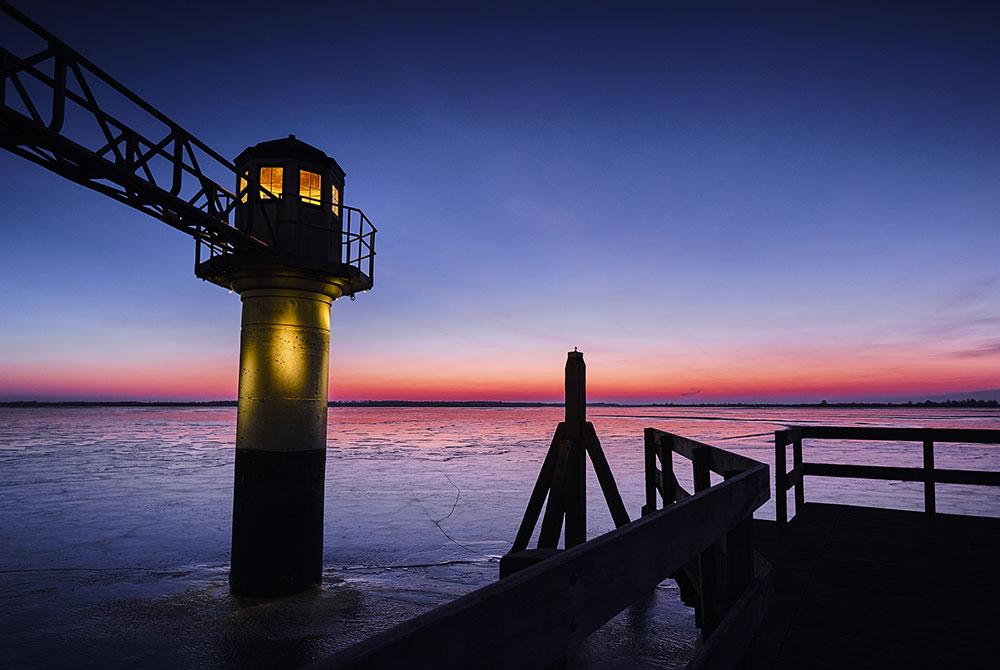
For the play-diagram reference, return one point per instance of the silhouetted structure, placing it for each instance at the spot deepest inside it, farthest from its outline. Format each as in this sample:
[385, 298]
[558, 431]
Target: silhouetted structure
[838, 586]
[283, 240]
[550, 599]
[563, 481]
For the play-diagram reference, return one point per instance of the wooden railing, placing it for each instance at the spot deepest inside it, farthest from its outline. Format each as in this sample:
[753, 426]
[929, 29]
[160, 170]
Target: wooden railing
[530, 618]
[728, 583]
[928, 474]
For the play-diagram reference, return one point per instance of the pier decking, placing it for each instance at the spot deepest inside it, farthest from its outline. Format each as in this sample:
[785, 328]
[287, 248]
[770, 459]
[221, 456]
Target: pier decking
[858, 587]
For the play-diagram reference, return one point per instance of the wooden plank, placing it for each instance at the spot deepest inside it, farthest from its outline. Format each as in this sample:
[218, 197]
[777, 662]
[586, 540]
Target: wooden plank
[719, 460]
[976, 477]
[604, 475]
[965, 435]
[530, 618]
[901, 474]
[538, 493]
[515, 561]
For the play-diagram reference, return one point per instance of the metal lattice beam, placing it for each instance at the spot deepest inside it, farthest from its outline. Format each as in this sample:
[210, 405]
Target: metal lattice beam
[59, 110]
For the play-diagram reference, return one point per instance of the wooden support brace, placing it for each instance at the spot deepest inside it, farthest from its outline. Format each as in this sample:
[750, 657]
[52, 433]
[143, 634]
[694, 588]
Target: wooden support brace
[607, 480]
[548, 537]
[538, 494]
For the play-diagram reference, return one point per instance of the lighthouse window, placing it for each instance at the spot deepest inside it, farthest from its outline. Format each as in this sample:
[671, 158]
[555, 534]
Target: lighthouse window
[309, 189]
[335, 199]
[243, 189]
[270, 179]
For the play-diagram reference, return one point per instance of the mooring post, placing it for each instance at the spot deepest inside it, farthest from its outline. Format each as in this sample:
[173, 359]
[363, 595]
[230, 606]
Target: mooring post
[576, 389]
[562, 484]
[576, 476]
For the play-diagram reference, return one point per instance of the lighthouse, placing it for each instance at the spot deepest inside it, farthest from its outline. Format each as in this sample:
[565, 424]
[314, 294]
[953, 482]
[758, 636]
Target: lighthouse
[290, 194]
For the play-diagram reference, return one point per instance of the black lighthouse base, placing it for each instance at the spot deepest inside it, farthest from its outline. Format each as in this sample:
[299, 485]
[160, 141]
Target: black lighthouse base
[277, 522]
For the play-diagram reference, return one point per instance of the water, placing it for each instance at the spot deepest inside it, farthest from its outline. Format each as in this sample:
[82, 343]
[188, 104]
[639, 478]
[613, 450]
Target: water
[114, 523]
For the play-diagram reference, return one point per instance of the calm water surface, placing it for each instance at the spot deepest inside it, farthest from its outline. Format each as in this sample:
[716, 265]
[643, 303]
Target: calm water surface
[114, 524]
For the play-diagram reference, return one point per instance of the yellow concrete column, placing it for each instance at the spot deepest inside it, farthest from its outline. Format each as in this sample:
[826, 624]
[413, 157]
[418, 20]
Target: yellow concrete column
[281, 434]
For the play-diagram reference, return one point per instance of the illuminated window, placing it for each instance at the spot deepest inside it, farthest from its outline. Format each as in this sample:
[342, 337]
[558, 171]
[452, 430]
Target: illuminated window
[309, 189]
[270, 179]
[243, 189]
[335, 199]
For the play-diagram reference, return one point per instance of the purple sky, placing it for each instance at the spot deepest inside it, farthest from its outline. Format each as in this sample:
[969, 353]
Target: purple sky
[799, 203]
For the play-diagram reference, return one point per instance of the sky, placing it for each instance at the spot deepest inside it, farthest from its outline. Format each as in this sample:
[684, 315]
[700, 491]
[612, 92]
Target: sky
[776, 202]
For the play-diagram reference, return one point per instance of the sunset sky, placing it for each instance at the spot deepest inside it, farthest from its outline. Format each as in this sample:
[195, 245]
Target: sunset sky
[794, 204]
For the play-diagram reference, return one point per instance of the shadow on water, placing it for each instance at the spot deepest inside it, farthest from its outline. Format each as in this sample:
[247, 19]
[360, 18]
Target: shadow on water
[147, 625]
[202, 626]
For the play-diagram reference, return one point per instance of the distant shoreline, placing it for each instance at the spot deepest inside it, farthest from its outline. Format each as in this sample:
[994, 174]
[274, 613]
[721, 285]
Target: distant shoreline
[485, 404]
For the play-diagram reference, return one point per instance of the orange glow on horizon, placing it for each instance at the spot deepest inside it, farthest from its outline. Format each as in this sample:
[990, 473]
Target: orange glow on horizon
[533, 377]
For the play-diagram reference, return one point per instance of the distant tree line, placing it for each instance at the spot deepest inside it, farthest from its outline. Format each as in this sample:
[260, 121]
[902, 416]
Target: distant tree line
[969, 402]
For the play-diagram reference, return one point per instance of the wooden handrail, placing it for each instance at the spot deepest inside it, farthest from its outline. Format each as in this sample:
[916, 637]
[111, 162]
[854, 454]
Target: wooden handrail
[893, 434]
[531, 617]
[723, 579]
[928, 474]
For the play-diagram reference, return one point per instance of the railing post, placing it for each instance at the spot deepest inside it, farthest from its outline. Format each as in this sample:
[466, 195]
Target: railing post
[667, 481]
[649, 446]
[710, 615]
[930, 504]
[800, 484]
[739, 568]
[780, 486]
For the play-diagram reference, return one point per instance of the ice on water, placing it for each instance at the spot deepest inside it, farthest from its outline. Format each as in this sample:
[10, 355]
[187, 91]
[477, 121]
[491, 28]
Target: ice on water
[115, 522]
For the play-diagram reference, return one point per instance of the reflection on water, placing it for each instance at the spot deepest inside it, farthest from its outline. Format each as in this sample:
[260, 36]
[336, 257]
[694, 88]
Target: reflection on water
[115, 523]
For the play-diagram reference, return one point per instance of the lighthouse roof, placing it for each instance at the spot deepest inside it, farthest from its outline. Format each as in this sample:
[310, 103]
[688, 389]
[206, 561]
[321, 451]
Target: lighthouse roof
[289, 147]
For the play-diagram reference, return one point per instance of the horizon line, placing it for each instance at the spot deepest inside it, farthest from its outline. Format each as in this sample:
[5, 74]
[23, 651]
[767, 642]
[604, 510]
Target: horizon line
[969, 401]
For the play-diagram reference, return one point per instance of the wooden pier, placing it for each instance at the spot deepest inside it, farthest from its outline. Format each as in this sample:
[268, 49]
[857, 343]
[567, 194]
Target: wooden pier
[859, 587]
[863, 587]
[834, 587]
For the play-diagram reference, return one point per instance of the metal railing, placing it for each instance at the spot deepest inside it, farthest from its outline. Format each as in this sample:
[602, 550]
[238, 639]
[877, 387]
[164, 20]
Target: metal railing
[928, 474]
[358, 238]
[351, 240]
